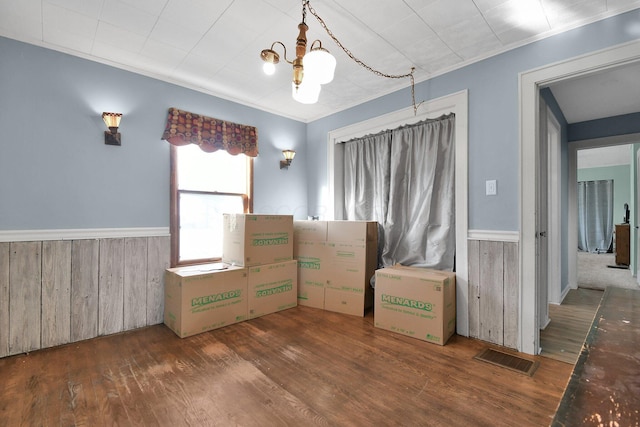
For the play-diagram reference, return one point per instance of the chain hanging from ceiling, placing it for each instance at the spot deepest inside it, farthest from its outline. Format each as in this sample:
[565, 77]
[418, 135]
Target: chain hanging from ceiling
[307, 6]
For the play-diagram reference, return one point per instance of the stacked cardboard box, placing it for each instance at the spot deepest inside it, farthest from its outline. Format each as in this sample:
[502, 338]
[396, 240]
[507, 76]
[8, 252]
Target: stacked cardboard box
[258, 276]
[204, 297]
[336, 260]
[417, 302]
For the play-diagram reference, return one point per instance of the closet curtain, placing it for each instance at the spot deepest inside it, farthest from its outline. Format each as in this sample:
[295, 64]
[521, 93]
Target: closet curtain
[595, 215]
[404, 180]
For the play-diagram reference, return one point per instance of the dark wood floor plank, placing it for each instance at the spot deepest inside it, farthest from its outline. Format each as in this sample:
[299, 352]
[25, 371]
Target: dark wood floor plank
[605, 383]
[302, 366]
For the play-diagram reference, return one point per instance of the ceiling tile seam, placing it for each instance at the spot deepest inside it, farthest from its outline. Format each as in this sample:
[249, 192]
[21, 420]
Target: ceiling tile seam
[146, 40]
[204, 34]
[435, 32]
[484, 18]
[376, 33]
[546, 15]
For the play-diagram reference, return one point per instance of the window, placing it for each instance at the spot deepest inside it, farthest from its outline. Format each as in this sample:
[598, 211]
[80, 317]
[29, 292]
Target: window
[203, 187]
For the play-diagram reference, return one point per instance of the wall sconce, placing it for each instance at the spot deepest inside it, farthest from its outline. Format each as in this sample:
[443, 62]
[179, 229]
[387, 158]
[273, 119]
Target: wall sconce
[112, 120]
[288, 158]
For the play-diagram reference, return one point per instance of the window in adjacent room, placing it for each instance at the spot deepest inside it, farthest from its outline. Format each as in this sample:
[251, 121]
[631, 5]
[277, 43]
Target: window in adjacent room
[203, 187]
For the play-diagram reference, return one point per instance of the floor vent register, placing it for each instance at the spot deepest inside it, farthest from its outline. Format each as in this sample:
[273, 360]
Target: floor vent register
[508, 361]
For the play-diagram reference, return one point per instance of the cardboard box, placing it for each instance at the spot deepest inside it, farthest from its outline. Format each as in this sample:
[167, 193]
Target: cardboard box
[272, 288]
[313, 269]
[352, 231]
[417, 302]
[351, 267]
[249, 239]
[203, 297]
[310, 230]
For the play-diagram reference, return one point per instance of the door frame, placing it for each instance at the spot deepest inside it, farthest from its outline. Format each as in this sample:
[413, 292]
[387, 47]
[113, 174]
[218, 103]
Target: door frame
[529, 84]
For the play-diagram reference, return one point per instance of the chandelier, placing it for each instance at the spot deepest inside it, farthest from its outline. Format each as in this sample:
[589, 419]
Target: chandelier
[316, 67]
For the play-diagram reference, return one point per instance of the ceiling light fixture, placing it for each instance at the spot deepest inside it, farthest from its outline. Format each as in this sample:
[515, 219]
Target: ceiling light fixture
[317, 67]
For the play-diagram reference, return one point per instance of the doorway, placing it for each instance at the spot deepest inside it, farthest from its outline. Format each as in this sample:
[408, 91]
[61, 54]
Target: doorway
[613, 160]
[530, 137]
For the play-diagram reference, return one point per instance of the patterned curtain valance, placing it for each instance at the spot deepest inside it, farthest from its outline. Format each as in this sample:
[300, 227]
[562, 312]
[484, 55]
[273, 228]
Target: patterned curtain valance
[210, 134]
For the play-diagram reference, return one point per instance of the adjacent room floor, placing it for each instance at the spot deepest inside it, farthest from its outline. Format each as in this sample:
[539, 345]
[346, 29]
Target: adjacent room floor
[594, 272]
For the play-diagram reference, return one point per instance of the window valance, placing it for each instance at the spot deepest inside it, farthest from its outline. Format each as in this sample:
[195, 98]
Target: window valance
[210, 134]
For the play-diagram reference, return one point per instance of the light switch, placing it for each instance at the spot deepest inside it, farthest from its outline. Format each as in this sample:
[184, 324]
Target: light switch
[492, 187]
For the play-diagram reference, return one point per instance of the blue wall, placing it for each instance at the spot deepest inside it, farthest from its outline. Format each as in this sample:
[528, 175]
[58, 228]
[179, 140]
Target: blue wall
[609, 126]
[493, 117]
[57, 173]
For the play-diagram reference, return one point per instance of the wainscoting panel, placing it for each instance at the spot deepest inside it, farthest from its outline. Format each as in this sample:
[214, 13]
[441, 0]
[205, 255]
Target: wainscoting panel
[84, 289]
[135, 282]
[4, 299]
[25, 296]
[56, 293]
[53, 292]
[158, 250]
[493, 291]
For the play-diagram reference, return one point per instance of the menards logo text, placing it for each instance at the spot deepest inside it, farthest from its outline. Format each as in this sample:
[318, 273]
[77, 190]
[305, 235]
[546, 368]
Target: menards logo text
[210, 299]
[406, 302]
[311, 265]
[284, 240]
[273, 291]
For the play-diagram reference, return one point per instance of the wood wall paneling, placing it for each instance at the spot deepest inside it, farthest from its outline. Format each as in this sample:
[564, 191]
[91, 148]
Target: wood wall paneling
[25, 296]
[4, 299]
[158, 261]
[56, 292]
[135, 283]
[84, 289]
[491, 292]
[111, 286]
[474, 288]
[511, 297]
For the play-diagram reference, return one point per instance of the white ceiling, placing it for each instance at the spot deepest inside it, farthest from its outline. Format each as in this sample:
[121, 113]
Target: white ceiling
[214, 45]
[617, 155]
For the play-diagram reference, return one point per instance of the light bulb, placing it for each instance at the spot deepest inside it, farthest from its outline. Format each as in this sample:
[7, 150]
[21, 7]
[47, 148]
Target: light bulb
[269, 68]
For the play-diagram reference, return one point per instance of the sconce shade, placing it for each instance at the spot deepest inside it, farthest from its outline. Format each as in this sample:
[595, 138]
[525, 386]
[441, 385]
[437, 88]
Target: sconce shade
[319, 65]
[112, 136]
[288, 158]
[112, 120]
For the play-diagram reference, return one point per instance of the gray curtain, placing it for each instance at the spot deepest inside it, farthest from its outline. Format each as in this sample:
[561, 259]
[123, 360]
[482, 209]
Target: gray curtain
[404, 180]
[595, 215]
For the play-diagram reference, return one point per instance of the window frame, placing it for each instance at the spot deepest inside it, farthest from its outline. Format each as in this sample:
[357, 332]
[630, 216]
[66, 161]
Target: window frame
[174, 211]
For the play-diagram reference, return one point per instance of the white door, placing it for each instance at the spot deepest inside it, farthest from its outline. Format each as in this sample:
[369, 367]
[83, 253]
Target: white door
[554, 222]
[542, 217]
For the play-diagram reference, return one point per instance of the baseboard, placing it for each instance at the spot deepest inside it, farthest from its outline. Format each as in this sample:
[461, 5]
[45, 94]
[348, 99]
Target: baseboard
[566, 292]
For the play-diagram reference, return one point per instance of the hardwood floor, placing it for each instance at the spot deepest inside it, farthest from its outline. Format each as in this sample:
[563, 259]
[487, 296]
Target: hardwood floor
[564, 336]
[302, 366]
